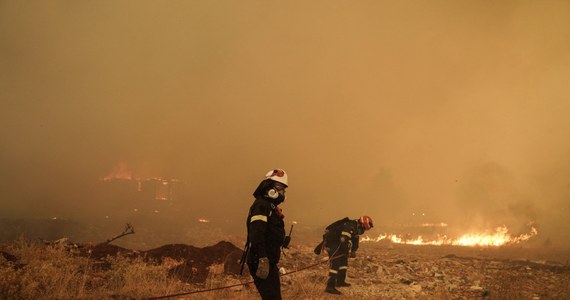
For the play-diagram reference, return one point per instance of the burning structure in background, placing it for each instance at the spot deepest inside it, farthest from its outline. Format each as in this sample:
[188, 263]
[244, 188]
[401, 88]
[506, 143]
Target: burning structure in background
[122, 180]
[122, 193]
[145, 189]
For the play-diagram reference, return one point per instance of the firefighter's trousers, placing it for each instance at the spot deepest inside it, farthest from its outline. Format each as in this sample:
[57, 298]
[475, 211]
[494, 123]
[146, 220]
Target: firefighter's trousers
[338, 266]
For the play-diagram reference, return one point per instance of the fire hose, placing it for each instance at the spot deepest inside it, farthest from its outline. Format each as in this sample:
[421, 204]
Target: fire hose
[245, 283]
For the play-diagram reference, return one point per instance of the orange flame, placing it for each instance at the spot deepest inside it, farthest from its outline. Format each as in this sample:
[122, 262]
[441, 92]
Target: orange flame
[120, 171]
[500, 237]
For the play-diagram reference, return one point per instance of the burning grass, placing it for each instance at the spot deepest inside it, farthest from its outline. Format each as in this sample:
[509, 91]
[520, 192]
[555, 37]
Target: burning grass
[500, 237]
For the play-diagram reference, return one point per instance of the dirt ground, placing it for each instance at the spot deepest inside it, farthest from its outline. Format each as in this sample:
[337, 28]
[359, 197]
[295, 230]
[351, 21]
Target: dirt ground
[381, 270]
[388, 271]
[392, 271]
[189, 264]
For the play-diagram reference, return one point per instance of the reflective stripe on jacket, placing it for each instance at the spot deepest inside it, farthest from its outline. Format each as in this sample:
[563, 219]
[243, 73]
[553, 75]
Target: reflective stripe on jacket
[266, 231]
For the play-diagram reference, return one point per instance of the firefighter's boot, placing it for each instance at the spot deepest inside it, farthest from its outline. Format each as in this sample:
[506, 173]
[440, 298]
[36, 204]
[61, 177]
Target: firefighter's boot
[341, 279]
[331, 286]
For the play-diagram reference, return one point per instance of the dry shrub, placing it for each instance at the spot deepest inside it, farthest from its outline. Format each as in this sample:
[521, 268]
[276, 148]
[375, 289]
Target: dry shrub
[218, 279]
[52, 272]
[304, 285]
[47, 272]
[301, 285]
[136, 279]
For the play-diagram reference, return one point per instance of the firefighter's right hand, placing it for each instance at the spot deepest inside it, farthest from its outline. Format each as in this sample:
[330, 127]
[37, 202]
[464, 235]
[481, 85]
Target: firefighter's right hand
[262, 268]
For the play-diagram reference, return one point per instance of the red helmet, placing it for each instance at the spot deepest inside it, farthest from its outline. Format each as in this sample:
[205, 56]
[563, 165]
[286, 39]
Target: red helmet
[366, 222]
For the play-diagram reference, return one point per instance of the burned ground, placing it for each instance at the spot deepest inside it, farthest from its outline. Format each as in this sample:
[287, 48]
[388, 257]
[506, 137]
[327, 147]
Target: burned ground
[188, 263]
[194, 262]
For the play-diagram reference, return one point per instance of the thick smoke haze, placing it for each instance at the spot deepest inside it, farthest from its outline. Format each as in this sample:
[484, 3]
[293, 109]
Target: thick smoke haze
[439, 111]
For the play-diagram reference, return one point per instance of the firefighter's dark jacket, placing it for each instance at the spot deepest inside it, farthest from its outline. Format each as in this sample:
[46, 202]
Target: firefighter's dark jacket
[266, 230]
[343, 233]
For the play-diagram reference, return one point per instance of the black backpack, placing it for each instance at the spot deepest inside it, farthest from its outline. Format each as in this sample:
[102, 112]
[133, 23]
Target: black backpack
[335, 225]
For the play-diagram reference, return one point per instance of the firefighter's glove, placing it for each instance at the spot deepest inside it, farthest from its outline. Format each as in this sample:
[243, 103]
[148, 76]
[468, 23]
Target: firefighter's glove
[319, 248]
[286, 242]
[262, 268]
[353, 254]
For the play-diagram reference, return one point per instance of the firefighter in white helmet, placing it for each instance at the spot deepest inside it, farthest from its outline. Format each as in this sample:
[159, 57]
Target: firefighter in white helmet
[266, 234]
[340, 240]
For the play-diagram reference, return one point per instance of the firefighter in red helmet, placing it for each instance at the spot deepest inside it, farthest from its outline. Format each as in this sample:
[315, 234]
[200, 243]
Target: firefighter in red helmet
[340, 240]
[266, 234]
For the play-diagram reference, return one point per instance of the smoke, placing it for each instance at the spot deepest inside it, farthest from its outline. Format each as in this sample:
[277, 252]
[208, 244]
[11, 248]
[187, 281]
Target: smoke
[447, 111]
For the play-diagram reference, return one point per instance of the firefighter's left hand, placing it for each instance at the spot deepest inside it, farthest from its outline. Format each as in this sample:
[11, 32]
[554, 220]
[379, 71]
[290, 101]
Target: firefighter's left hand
[353, 254]
[286, 242]
[262, 268]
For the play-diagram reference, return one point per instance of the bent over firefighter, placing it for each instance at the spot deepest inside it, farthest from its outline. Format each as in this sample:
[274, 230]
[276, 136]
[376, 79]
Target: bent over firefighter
[340, 241]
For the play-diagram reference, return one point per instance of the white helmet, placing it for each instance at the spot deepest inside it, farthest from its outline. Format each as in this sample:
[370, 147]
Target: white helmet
[277, 175]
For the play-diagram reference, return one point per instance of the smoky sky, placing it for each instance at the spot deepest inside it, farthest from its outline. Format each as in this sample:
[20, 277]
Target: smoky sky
[407, 111]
